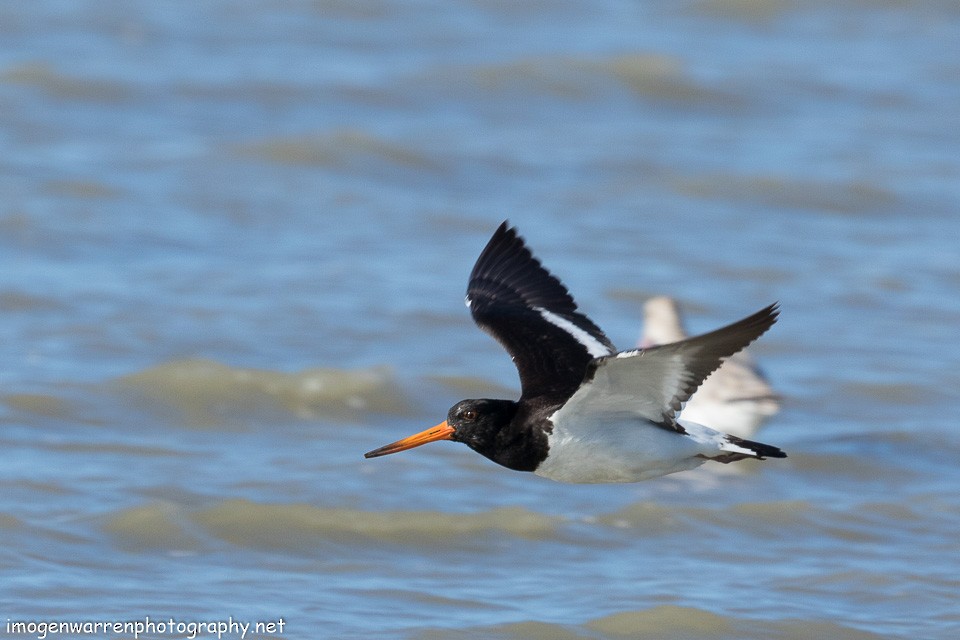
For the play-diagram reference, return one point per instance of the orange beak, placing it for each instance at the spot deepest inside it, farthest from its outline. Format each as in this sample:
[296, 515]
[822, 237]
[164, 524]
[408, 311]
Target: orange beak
[442, 431]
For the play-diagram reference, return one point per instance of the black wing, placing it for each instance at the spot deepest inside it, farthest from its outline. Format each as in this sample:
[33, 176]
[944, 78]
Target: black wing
[512, 297]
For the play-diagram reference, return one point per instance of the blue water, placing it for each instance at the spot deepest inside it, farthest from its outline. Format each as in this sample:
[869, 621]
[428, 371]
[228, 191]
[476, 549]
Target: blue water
[234, 243]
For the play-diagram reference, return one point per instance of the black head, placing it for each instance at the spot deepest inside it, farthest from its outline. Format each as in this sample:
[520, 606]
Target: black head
[483, 425]
[477, 423]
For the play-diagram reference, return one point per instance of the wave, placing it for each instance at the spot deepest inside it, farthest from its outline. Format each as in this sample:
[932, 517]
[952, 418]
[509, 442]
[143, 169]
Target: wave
[304, 528]
[646, 75]
[209, 392]
[340, 149]
[286, 526]
[689, 623]
[664, 622]
[851, 197]
[67, 87]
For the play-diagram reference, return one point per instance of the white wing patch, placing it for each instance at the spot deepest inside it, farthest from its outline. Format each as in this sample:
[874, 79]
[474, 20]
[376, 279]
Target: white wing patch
[593, 346]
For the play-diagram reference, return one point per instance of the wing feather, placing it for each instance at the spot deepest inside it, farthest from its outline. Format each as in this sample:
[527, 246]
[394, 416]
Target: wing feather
[654, 383]
[529, 311]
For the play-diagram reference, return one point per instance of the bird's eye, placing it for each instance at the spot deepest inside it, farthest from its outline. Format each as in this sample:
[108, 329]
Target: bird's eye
[469, 415]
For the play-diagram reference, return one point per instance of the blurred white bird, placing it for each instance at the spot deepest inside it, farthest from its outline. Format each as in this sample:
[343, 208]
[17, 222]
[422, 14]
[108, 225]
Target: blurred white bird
[735, 398]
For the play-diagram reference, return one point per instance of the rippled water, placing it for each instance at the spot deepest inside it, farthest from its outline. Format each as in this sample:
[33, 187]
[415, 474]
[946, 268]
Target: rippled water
[234, 241]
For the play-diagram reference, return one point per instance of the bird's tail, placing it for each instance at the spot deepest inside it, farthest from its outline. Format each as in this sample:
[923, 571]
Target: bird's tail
[735, 448]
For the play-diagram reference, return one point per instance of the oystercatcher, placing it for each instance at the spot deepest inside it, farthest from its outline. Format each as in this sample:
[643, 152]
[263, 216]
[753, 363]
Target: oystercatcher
[735, 399]
[586, 413]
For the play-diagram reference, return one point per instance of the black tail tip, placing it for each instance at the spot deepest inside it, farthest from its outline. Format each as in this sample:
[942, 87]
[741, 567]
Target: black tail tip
[761, 450]
[771, 452]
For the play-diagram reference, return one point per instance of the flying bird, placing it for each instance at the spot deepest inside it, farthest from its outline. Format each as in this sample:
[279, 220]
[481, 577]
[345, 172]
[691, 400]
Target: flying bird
[587, 413]
[735, 399]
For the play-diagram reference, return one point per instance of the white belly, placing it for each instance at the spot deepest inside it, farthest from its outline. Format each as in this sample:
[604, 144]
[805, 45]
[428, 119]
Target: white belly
[625, 450]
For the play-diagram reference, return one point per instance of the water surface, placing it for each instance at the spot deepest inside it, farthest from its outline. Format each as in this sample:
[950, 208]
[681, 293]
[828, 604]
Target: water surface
[234, 242]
